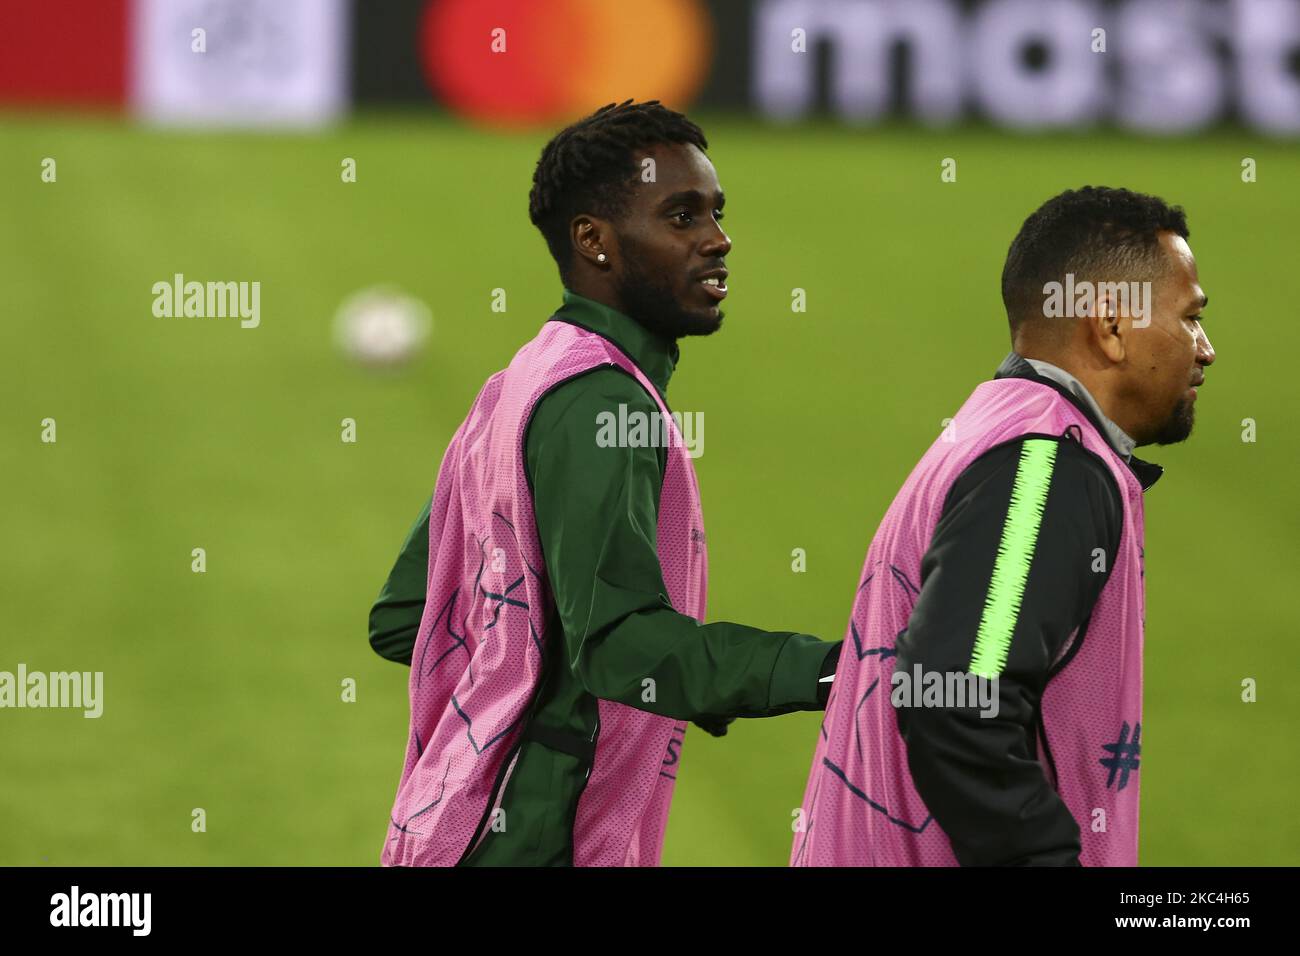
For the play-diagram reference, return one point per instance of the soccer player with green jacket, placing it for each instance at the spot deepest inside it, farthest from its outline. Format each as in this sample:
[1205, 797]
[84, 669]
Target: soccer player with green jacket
[643, 266]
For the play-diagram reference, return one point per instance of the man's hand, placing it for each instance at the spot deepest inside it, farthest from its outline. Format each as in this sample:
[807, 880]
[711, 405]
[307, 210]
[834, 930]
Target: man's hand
[716, 726]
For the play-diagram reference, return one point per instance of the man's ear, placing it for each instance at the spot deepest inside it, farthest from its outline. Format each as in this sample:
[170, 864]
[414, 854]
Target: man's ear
[1107, 327]
[593, 238]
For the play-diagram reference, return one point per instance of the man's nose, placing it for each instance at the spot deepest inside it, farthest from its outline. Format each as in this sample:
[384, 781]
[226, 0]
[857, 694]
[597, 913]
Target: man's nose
[718, 244]
[1204, 350]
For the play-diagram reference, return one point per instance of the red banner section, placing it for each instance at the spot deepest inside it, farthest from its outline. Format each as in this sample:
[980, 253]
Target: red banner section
[64, 53]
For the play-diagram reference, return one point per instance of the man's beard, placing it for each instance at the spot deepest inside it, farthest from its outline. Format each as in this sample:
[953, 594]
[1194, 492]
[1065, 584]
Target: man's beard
[650, 300]
[1178, 426]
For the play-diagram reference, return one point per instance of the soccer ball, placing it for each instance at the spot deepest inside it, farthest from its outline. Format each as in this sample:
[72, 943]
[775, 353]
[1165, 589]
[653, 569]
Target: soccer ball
[382, 327]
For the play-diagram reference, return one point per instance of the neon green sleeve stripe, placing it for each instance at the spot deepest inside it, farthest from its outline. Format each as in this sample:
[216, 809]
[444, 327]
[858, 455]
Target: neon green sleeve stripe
[1015, 554]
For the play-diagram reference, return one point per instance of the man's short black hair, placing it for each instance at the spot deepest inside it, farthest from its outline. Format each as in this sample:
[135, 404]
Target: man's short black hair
[592, 167]
[1097, 233]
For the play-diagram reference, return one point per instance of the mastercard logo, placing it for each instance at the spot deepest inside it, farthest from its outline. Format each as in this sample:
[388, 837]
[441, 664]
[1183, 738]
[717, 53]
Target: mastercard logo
[524, 62]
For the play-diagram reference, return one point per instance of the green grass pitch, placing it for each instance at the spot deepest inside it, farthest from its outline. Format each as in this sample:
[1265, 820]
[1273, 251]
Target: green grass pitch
[222, 689]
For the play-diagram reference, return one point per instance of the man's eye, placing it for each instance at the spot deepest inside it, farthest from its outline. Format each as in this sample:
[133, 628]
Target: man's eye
[684, 217]
[718, 215]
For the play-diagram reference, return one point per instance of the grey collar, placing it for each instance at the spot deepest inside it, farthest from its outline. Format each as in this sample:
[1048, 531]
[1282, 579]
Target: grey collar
[1116, 436]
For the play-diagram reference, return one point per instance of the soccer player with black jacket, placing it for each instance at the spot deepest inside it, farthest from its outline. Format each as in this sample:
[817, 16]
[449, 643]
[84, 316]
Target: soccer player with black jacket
[1014, 553]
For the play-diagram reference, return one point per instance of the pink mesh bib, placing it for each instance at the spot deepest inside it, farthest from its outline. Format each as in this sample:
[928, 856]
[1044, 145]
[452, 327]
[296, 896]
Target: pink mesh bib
[860, 806]
[478, 657]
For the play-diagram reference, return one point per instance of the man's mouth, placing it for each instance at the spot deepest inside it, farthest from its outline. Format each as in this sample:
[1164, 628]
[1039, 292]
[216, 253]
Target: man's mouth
[1196, 383]
[715, 284]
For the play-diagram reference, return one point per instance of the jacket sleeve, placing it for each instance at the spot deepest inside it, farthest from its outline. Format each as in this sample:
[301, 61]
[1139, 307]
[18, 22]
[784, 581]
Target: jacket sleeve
[1043, 514]
[395, 615]
[597, 519]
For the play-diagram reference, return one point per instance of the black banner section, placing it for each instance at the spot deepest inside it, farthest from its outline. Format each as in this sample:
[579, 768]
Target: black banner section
[94, 906]
[1017, 64]
[386, 65]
